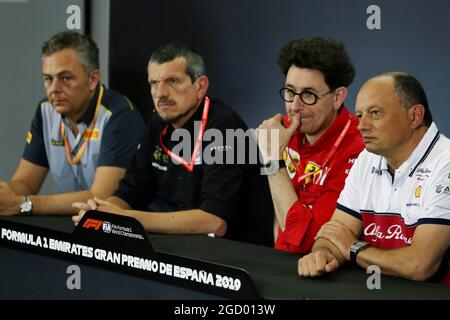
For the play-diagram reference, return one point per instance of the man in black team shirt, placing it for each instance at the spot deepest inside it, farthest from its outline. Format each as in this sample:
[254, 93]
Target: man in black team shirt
[198, 197]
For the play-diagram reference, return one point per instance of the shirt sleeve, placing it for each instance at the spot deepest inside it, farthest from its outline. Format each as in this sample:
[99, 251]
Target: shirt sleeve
[34, 151]
[223, 182]
[314, 208]
[138, 187]
[121, 136]
[436, 206]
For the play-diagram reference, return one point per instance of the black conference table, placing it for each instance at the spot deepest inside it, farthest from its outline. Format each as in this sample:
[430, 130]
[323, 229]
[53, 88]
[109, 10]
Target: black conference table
[29, 275]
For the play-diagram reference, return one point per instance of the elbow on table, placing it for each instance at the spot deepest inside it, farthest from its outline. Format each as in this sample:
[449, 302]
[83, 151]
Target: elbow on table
[422, 271]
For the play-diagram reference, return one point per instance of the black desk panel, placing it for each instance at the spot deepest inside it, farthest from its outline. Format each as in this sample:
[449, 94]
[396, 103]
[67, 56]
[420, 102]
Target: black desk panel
[274, 273]
[33, 277]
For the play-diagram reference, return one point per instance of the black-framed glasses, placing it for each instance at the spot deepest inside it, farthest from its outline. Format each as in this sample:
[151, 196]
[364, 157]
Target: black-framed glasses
[308, 97]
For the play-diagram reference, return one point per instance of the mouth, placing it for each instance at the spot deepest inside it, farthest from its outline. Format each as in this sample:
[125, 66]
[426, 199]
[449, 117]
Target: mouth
[165, 104]
[57, 102]
[305, 119]
[368, 139]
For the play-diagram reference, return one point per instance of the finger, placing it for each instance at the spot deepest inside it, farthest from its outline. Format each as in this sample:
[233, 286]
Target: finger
[101, 202]
[76, 219]
[278, 117]
[92, 204]
[80, 205]
[312, 266]
[263, 125]
[302, 269]
[295, 123]
[332, 265]
[299, 267]
[321, 261]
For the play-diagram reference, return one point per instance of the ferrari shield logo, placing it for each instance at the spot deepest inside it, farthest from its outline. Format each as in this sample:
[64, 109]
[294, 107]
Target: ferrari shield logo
[311, 167]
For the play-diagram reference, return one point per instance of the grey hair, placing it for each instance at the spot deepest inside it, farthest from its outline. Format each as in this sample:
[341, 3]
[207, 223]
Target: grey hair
[85, 47]
[195, 66]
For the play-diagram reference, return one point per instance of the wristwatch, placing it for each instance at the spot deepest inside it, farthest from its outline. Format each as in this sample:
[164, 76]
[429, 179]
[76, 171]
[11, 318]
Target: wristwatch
[26, 206]
[272, 167]
[356, 248]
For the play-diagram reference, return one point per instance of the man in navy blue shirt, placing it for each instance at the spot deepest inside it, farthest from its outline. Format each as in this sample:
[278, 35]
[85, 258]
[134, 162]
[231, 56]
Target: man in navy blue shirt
[83, 133]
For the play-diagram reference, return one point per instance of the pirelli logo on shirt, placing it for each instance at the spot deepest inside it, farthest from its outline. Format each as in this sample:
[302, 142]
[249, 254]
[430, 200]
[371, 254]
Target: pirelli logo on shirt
[29, 137]
[91, 134]
[58, 143]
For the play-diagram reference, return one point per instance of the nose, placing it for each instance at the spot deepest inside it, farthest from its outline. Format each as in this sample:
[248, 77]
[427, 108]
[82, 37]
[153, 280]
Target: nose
[161, 90]
[364, 123]
[297, 104]
[54, 86]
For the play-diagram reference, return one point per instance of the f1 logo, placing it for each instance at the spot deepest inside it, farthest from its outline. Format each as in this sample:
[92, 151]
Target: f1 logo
[92, 224]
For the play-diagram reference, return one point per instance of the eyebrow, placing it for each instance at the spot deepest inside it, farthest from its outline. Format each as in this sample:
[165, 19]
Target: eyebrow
[58, 74]
[369, 107]
[290, 86]
[165, 78]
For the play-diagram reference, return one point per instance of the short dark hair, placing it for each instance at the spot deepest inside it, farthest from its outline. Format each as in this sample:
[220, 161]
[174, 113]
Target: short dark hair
[326, 55]
[195, 66]
[85, 47]
[410, 93]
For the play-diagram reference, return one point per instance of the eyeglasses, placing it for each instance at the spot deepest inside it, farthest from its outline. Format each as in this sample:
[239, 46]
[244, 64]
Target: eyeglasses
[307, 97]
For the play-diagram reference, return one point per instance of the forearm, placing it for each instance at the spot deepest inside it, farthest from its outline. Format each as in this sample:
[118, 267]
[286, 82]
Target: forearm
[20, 187]
[180, 222]
[324, 244]
[283, 195]
[401, 262]
[58, 204]
[119, 203]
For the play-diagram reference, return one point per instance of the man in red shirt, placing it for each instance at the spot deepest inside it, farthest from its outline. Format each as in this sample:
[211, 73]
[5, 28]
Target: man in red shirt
[318, 140]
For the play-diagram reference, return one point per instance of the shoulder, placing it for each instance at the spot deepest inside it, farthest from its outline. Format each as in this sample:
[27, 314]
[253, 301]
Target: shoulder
[120, 111]
[222, 116]
[440, 155]
[367, 160]
[116, 102]
[443, 146]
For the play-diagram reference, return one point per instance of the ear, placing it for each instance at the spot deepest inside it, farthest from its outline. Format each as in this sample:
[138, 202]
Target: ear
[203, 84]
[341, 94]
[94, 79]
[416, 114]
